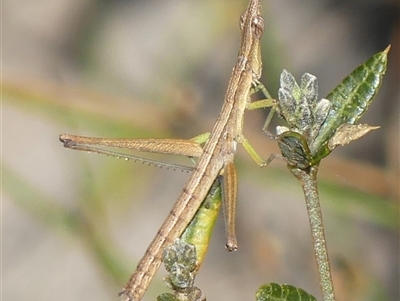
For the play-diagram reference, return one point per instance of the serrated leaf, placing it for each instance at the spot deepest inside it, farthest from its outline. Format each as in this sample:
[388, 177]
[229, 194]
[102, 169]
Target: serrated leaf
[282, 292]
[351, 98]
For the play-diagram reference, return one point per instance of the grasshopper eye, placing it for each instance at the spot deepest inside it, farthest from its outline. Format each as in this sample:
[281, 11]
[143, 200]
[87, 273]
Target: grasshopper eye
[257, 25]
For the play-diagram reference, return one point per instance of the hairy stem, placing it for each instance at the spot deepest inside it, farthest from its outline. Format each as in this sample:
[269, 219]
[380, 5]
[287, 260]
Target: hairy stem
[308, 179]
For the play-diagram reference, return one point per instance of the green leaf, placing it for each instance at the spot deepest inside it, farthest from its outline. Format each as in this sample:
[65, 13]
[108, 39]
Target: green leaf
[167, 297]
[350, 99]
[180, 262]
[295, 149]
[282, 292]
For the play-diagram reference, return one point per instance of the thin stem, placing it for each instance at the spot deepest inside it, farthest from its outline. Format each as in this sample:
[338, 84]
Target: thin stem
[308, 179]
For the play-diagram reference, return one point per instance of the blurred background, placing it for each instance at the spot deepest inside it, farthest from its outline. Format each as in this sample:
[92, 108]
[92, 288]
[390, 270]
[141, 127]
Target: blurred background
[74, 224]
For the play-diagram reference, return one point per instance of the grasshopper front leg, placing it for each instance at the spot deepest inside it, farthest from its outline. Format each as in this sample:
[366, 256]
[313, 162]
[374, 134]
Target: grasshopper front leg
[267, 102]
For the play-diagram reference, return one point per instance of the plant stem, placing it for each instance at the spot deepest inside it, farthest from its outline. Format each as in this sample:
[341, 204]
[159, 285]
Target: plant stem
[308, 179]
